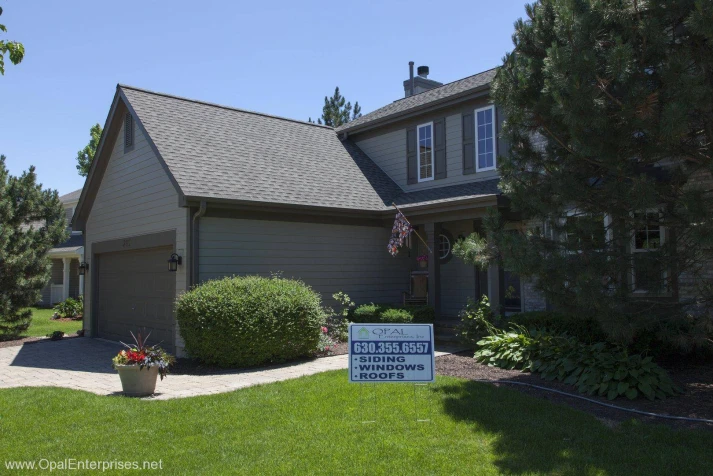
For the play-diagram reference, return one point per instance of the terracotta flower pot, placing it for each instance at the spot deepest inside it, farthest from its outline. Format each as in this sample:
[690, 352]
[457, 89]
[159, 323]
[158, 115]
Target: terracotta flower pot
[137, 382]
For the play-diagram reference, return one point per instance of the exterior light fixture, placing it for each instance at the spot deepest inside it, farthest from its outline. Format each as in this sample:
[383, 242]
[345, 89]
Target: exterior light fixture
[173, 262]
[83, 268]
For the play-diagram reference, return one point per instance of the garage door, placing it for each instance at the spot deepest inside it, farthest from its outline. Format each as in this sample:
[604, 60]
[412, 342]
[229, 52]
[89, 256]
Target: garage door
[135, 291]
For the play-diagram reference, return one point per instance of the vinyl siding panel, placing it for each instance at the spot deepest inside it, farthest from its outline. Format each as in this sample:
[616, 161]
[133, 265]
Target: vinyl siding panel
[136, 197]
[329, 258]
[388, 151]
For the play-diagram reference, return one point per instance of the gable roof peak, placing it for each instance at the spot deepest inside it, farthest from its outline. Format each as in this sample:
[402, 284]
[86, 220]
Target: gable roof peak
[221, 106]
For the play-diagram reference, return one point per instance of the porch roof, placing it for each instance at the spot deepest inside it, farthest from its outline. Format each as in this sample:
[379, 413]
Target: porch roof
[453, 193]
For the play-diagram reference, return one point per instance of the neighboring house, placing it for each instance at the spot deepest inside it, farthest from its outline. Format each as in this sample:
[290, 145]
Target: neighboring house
[239, 192]
[65, 280]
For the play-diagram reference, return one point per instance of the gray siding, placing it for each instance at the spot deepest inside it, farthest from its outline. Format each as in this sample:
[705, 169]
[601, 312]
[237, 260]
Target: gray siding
[388, 151]
[136, 197]
[329, 258]
[457, 278]
[74, 278]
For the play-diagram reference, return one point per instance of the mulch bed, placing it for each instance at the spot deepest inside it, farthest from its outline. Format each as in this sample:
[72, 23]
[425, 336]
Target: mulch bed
[696, 379]
[31, 340]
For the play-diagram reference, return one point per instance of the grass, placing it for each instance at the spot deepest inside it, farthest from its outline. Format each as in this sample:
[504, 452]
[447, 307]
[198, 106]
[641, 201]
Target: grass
[313, 425]
[42, 324]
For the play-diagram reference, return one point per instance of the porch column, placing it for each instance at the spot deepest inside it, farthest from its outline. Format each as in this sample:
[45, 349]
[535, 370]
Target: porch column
[81, 277]
[494, 287]
[65, 278]
[434, 267]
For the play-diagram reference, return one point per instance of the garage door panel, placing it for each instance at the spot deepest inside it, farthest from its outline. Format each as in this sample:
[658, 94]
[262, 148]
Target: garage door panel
[135, 292]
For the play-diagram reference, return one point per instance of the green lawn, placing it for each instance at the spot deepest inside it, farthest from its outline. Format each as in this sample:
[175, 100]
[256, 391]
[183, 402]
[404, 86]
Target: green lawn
[43, 325]
[314, 425]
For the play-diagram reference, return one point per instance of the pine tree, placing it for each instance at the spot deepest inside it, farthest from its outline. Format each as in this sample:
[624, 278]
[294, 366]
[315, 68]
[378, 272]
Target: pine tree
[32, 221]
[337, 111]
[609, 109]
[86, 155]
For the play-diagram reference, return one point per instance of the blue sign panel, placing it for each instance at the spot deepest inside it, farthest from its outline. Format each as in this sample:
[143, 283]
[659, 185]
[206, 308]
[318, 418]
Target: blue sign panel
[391, 353]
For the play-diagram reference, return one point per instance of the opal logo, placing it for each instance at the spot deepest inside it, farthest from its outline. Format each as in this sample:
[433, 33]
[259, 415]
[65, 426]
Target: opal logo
[363, 333]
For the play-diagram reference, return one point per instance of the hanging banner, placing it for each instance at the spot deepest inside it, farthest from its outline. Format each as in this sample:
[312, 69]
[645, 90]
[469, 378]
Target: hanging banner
[391, 353]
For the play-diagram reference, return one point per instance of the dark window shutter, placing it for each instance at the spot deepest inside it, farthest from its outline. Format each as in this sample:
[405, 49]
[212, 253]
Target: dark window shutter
[128, 130]
[439, 148]
[468, 144]
[411, 156]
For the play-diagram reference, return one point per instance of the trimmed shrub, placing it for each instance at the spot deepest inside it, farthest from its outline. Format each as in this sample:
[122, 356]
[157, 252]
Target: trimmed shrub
[250, 320]
[422, 314]
[383, 313]
[396, 316]
[367, 313]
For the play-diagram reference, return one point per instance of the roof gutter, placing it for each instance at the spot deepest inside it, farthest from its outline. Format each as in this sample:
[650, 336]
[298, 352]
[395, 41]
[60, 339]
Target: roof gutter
[306, 210]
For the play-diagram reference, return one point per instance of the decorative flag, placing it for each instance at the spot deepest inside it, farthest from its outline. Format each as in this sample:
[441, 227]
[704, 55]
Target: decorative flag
[399, 232]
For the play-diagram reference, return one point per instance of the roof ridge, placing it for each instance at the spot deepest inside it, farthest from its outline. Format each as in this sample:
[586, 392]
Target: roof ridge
[446, 84]
[222, 106]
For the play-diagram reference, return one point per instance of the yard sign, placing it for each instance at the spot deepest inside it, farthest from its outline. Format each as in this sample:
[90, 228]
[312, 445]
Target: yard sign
[391, 353]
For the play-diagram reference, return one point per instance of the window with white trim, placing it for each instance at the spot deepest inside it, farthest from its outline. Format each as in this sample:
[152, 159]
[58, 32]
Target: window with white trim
[425, 152]
[485, 148]
[648, 274]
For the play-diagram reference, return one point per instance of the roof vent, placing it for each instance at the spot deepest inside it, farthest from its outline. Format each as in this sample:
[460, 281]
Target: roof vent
[423, 71]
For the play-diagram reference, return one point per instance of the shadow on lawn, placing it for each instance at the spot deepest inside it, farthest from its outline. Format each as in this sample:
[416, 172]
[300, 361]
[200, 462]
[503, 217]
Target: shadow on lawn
[531, 436]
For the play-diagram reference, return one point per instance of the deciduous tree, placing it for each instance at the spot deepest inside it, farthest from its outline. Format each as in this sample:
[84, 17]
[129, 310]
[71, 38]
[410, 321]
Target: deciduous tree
[14, 49]
[86, 155]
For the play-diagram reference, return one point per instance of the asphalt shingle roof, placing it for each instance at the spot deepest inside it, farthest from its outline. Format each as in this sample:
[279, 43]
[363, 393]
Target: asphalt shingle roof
[73, 242]
[71, 196]
[217, 152]
[450, 193]
[423, 99]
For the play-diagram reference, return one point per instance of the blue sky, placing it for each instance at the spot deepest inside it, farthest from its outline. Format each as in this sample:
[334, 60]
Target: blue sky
[280, 58]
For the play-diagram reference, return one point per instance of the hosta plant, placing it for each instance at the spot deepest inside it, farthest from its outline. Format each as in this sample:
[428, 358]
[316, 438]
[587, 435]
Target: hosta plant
[598, 368]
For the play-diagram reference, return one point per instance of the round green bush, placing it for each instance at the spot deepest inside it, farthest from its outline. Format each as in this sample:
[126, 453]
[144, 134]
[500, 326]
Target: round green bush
[396, 316]
[250, 320]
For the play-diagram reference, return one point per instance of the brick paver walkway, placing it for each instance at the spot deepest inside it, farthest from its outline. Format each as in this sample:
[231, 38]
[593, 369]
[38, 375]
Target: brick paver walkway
[85, 364]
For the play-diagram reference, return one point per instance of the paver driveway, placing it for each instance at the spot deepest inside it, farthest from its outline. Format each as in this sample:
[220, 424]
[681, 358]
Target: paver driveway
[85, 364]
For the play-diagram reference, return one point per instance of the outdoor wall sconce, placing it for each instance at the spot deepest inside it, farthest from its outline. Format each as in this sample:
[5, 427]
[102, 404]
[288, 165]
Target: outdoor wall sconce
[173, 262]
[83, 268]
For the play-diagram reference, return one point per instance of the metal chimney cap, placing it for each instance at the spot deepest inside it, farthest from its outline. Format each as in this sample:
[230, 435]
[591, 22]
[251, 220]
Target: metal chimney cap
[423, 71]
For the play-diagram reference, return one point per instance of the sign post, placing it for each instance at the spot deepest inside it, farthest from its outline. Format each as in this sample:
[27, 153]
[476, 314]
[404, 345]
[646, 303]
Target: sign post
[383, 353]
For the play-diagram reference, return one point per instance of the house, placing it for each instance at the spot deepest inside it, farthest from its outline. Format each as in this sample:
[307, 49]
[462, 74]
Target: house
[213, 191]
[65, 280]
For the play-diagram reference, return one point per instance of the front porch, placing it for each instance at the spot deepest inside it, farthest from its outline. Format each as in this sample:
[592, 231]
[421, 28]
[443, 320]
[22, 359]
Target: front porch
[65, 280]
[447, 283]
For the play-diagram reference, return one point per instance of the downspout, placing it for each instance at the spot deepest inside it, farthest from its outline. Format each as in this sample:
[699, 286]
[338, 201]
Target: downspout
[194, 241]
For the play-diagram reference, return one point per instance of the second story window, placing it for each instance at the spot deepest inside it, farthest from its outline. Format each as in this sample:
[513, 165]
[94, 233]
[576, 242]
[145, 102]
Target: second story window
[485, 139]
[425, 152]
